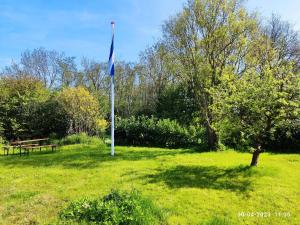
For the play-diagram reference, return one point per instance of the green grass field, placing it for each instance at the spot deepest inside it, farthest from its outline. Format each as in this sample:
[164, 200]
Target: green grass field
[190, 187]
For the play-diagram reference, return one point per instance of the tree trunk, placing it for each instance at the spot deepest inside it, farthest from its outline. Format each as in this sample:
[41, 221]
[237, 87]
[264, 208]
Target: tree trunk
[255, 156]
[212, 138]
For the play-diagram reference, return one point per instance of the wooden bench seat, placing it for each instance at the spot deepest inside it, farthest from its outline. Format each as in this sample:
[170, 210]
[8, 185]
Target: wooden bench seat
[53, 147]
[28, 145]
[25, 145]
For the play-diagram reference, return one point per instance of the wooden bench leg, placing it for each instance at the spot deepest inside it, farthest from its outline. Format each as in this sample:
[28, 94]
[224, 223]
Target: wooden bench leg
[5, 152]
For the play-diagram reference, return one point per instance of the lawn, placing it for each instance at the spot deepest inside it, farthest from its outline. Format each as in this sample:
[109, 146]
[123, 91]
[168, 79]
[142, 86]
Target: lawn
[190, 187]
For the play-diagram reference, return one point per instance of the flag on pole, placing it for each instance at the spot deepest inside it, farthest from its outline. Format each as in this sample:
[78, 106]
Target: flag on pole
[111, 71]
[111, 62]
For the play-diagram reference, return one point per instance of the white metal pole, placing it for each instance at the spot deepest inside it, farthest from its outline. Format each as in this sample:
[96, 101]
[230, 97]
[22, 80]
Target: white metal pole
[113, 106]
[112, 117]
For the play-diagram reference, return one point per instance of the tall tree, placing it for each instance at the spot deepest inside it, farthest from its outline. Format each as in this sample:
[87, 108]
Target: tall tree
[206, 40]
[93, 76]
[252, 107]
[54, 69]
[285, 39]
[126, 92]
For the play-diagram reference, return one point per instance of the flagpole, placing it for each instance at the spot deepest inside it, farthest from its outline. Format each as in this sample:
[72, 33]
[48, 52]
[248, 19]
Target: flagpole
[112, 104]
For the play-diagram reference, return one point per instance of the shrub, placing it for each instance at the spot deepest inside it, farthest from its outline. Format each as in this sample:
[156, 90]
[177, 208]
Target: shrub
[82, 109]
[81, 138]
[150, 131]
[115, 208]
[28, 110]
[101, 126]
[19, 98]
[49, 117]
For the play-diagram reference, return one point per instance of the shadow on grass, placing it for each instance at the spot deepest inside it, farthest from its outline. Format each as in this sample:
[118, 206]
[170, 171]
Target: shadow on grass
[236, 179]
[84, 157]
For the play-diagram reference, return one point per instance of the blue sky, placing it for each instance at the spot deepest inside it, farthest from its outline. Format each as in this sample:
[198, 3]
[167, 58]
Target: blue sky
[82, 27]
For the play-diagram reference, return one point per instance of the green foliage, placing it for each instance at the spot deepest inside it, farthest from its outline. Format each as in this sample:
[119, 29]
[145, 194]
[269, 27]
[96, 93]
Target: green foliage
[176, 103]
[1, 129]
[19, 98]
[150, 131]
[82, 109]
[28, 109]
[264, 102]
[81, 138]
[101, 126]
[115, 208]
[1, 142]
[49, 118]
[204, 40]
[285, 139]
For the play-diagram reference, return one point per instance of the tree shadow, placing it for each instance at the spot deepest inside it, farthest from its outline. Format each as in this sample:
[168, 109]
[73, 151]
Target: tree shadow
[237, 179]
[84, 157]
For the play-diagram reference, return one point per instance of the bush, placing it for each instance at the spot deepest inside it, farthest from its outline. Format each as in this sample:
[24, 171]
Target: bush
[49, 117]
[150, 131]
[115, 208]
[101, 126]
[19, 98]
[82, 109]
[81, 138]
[28, 110]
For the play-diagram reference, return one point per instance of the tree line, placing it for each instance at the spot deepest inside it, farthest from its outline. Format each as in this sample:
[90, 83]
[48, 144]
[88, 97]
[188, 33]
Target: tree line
[217, 66]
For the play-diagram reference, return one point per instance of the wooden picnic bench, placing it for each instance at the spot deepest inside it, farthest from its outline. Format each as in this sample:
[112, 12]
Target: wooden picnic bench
[26, 145]
[17, 146]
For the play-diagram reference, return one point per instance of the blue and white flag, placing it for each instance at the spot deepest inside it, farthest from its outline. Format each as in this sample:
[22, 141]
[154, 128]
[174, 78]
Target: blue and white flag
[111, 71]
[111, 62]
